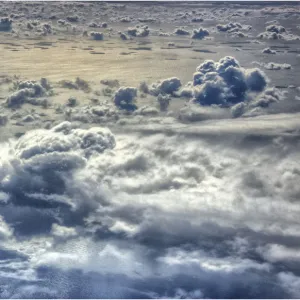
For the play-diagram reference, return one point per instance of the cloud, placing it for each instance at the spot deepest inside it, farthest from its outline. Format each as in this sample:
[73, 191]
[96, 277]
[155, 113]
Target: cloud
[200, 34]
[5, 24]
[146, 111]
[3, 119]
[275, 28]
[226, 82]
[233, 27]
[39, 173]
[275, 32]
[139, 31]
[118, 215]
[18, 98]
[268, 51]
[73, 18]
[124, 98]
[98, 36]
[274, 66]
[164, 101]
[166, 86]
[123, 36]
[181, 31]
[29, 92]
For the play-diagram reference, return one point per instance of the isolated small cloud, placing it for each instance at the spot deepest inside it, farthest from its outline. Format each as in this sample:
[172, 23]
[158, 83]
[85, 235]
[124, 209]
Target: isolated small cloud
[268, 51]
[181, 31]
[275, 28]
[200, 33]
[138, 31]
[98, 36]
[124, 98]
[166, 86]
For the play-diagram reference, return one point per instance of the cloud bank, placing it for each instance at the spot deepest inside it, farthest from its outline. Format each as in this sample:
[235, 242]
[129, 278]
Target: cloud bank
[88, 213]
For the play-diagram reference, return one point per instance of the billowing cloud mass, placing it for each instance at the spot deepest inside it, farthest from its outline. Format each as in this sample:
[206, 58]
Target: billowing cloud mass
[86, 213]
[226, 82]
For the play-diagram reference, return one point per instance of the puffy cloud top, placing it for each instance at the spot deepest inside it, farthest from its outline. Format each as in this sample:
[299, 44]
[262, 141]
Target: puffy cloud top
[41, 160]
[225, 82]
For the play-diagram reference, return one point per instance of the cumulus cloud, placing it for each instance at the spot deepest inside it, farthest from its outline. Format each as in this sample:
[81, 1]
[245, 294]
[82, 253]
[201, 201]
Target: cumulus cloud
[98, 36]
[247, 92]
[262, 100]
[139, 31]
[124, 36]
[166, 86]
[124, 98]
[277, 32]
[29, 92]
[39, 173]
[226, 82]
[275, 28]
[181, 31]
[200, 33]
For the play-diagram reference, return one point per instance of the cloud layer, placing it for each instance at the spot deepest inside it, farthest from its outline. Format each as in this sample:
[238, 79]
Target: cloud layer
[88, 213]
